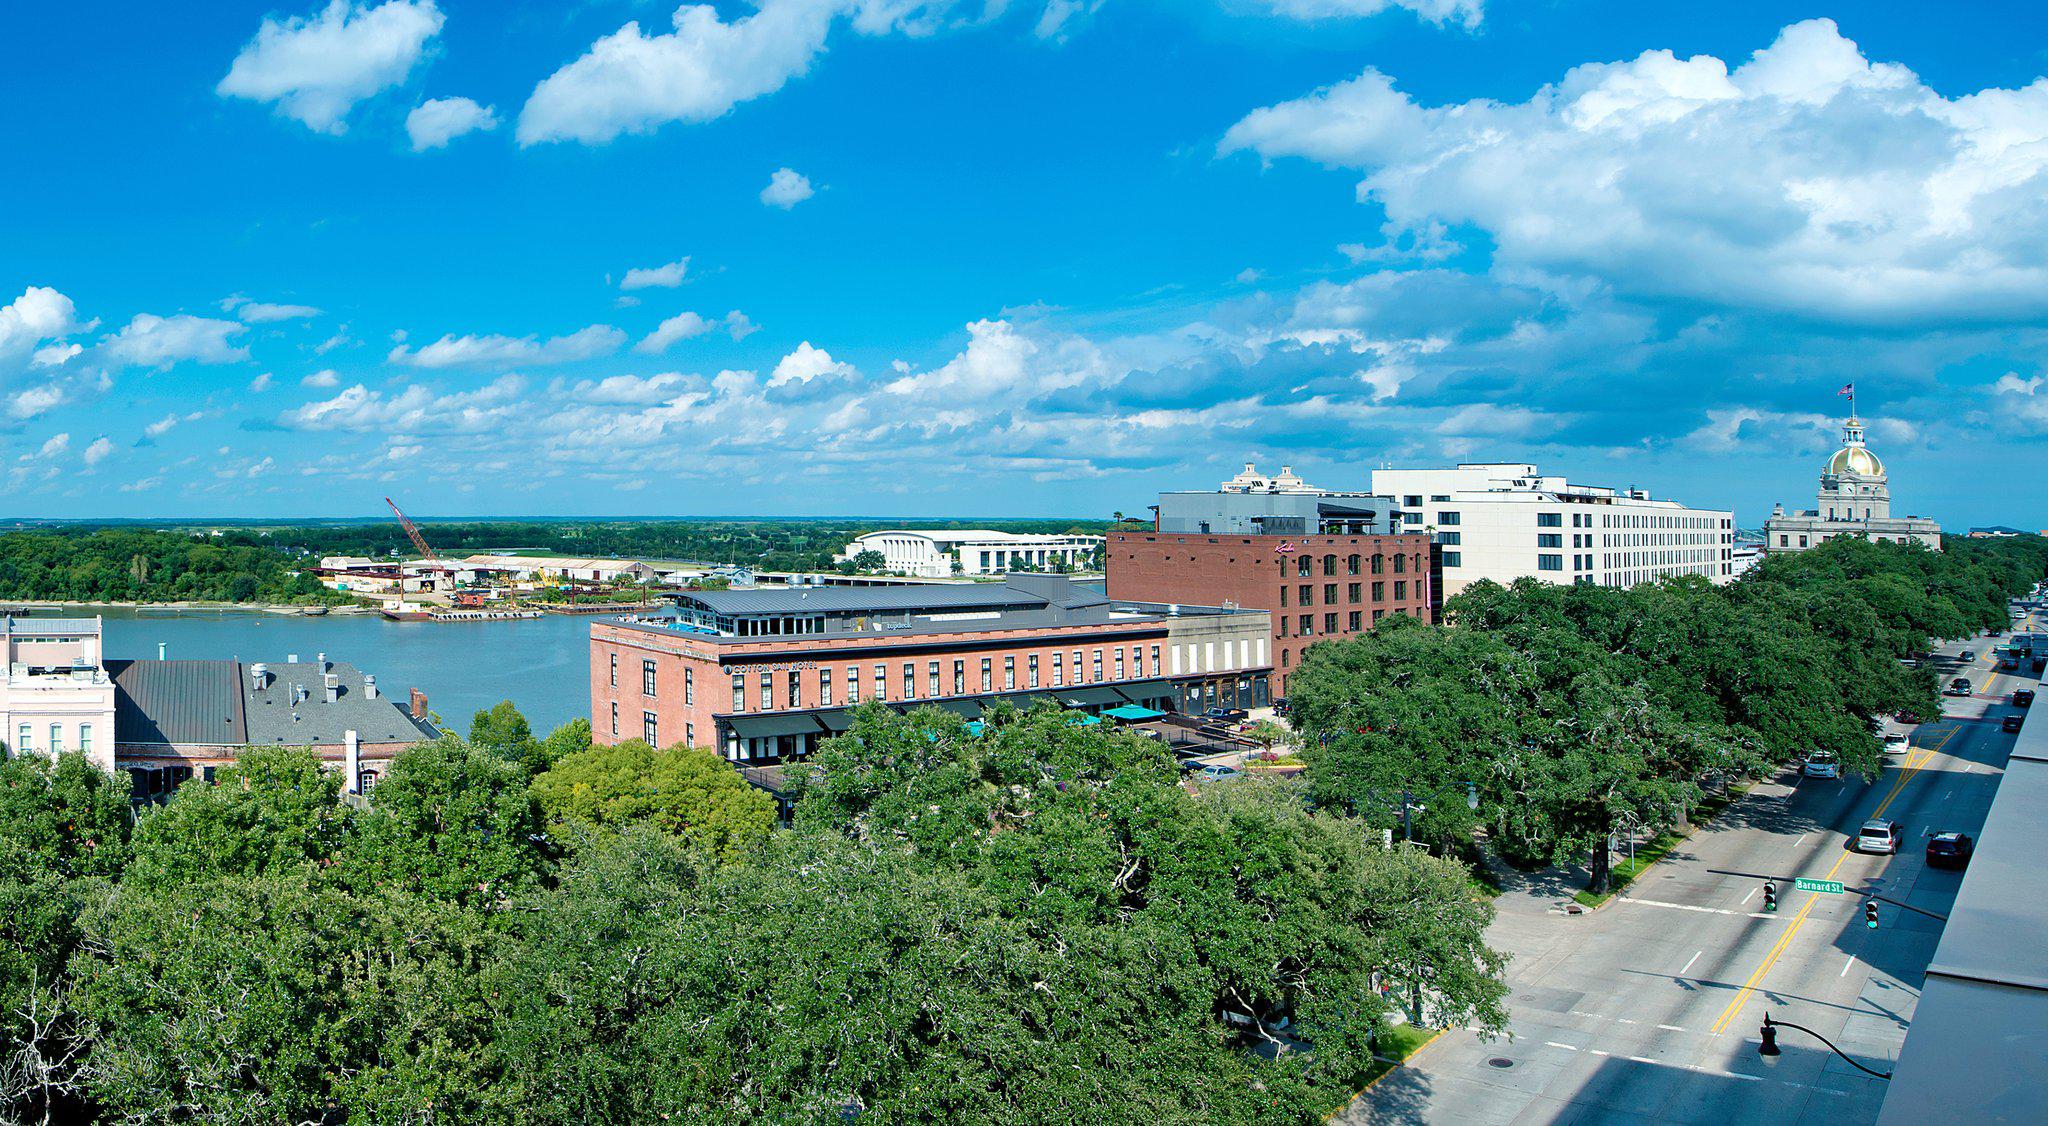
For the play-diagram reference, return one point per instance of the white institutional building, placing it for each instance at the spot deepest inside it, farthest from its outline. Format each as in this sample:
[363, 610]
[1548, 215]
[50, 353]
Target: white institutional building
[57, 695]
[943, 553]
[1504, 521]
[1855, 499]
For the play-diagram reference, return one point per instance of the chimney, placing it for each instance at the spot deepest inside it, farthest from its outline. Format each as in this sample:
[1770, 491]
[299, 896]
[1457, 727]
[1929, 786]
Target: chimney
[369, 686]
[352, 755]
[259, 676]
[330, 687]
[419, 704]
[323, 662]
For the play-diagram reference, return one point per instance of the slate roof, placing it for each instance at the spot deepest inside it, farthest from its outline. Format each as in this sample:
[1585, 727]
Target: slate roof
[215, 703]
[273, 722]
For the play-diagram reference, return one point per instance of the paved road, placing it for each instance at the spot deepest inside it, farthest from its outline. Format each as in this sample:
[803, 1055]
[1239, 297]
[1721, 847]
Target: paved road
[1647, 1010]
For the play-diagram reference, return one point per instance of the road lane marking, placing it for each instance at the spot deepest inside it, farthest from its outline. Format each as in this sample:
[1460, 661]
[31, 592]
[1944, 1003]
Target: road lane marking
[1801, 840]
[1689, 961]
[1778, 948]
[1555, 1044]
[1642, 1059]
[1682, 906]
[1846, 965]
[1670, 1028]
[1750, 896]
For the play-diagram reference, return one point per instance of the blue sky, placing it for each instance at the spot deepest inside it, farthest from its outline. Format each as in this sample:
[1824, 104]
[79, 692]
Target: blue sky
[1049, 257]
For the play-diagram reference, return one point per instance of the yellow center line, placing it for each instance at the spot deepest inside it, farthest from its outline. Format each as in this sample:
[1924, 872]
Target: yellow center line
[1799, 920]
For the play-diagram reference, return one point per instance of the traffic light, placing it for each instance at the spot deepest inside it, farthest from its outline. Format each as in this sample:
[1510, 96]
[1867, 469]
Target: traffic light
[1870, 913]
[1770, 896]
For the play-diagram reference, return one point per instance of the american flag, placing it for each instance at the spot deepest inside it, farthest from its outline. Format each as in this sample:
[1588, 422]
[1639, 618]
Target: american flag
[1848, 389]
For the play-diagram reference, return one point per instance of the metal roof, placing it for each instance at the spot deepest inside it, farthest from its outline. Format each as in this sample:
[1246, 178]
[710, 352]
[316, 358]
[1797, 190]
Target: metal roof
[846, 599]
[179, 703]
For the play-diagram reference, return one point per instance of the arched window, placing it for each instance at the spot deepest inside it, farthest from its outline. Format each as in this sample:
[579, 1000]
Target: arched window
[1351, 565]
[1400, 564]
[1329, 565]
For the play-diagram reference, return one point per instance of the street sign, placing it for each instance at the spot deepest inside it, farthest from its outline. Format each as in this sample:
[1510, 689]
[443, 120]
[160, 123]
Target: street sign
[1832, 887]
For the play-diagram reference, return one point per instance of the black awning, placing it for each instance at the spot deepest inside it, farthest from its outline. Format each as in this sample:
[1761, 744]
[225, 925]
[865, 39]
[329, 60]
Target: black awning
[770, 726]
[1089, 697]
[1143, 690]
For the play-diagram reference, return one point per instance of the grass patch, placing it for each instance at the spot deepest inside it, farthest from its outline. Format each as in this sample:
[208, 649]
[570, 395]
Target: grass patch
[1625, 872]
[1400, 1042]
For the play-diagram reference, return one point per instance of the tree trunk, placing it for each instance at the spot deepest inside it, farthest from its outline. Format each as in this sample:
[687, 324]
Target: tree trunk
[1598, 881]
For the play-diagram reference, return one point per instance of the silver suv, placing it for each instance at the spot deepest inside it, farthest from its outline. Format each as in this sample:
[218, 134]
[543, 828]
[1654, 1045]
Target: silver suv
[1879, 836]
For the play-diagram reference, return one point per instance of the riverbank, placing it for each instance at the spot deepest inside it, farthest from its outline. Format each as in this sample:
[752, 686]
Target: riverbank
[189, 607]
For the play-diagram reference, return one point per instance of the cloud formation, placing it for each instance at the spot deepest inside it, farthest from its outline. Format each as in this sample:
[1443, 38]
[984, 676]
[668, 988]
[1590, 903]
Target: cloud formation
[1807, 180]
[160, 342]
[315, 69]
[656, 277]
[787, 188]
[437, 121]
[466, 351]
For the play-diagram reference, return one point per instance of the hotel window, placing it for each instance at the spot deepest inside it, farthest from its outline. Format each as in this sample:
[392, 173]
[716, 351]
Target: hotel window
[1449, 519]
[615, 717]
[1009, 673]
[881, 682]
[767, 691]
[1155, 660]
[1550, 520]
[1454, 539]
[1078, 678]
[824, 688]
[739, 693]
[1058, 671]
[1308, 625]
[615, 670]
[1329, 623]
[1098, 666]
[85, 739]
[1355, 593]
[689, 687]
[1550, 562]
[1283, 596]
[650, 729]
[1303, 567]
[1400, 564]
[853, 684]
[690, 734]
[1377, 615]
[56, 740]
[1550, 540]
[910, 681]
[1329, 594]
[1411, 501]
[1351, 564]
[1308, 594]
[1379, 592]
[22, 743]
[1119, 664]
[988, 675]
[647, 678]
[1033, 667]
[1454, 558]
[1356, 621]
[1329, 565]
[796, 689]
[1400, 589]
[1379, 564]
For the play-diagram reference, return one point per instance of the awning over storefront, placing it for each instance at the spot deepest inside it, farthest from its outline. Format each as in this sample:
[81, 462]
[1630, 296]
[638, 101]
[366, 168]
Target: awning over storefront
[772, 726]
[1144, 690]
[967, 708]
[1088, 697]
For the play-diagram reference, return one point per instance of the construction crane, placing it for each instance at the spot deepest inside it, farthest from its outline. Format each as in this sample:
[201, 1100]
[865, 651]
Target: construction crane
[412, 531]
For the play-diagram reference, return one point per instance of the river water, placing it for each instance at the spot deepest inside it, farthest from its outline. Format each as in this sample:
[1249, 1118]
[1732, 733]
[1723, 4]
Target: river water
[540, 664]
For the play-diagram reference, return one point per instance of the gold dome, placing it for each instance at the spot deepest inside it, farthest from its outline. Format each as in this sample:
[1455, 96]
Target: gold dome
[1857, 460]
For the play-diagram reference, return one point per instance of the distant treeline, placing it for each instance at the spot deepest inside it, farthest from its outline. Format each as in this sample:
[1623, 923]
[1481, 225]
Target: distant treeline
[108, 565]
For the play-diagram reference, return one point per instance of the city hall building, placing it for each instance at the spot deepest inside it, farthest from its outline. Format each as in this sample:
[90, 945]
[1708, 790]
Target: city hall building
[764, 675]
[1855, 499]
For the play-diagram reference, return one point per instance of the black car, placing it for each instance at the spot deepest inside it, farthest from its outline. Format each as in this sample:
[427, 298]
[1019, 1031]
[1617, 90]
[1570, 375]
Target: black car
[2010, 724]
[1226, 715]
[2024, 698]
[1949, 850]
[1960, 686]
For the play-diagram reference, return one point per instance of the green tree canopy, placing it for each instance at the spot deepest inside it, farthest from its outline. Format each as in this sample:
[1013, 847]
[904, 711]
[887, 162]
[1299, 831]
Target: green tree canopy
[686, 792]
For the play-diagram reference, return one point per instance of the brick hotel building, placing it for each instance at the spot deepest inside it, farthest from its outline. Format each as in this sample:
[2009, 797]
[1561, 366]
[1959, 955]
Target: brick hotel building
[763, 675]
[1323, 564]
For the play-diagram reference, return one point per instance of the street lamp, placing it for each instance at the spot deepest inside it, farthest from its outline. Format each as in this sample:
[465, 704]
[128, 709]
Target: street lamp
[1770, 1051]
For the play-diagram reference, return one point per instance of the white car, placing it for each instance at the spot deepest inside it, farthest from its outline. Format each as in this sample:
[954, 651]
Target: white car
[1879, 836]
[1821, 764]
[1897, 742]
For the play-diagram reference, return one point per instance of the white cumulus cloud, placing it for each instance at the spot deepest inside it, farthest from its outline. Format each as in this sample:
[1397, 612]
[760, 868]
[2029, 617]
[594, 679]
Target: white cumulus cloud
[263, 312]
[99, 449]
[686, 324]
[326, 377]
[787, 188]
[656, 277]
[1807, 179]
[807, 364]
[159, 342]
[437, 121]
[1463, 12]
[314, 69]
[463, 351]
[39, 314]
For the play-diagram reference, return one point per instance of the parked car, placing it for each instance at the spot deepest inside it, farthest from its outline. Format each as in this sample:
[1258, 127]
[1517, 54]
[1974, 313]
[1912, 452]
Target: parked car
[2011, 724]
[1217, 772]
[1960, 686]
[1821, 764]
[1879, 836]
[1950, 850]
[1967, 655]
[1897, 743]
[1226, 715]
[2023, 698]
[1910, 718]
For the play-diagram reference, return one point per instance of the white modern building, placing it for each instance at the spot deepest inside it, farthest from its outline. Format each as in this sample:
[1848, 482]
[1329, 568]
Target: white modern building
[1855, 499]
[56, 695]
[940, 553]
[1505, 521]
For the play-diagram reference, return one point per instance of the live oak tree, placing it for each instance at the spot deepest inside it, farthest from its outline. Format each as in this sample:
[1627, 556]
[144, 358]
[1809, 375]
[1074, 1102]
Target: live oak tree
[687, 792]
[274, 811]
[450, 822]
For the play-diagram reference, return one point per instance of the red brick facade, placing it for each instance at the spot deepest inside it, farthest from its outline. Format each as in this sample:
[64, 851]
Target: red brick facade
[1316, 586]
